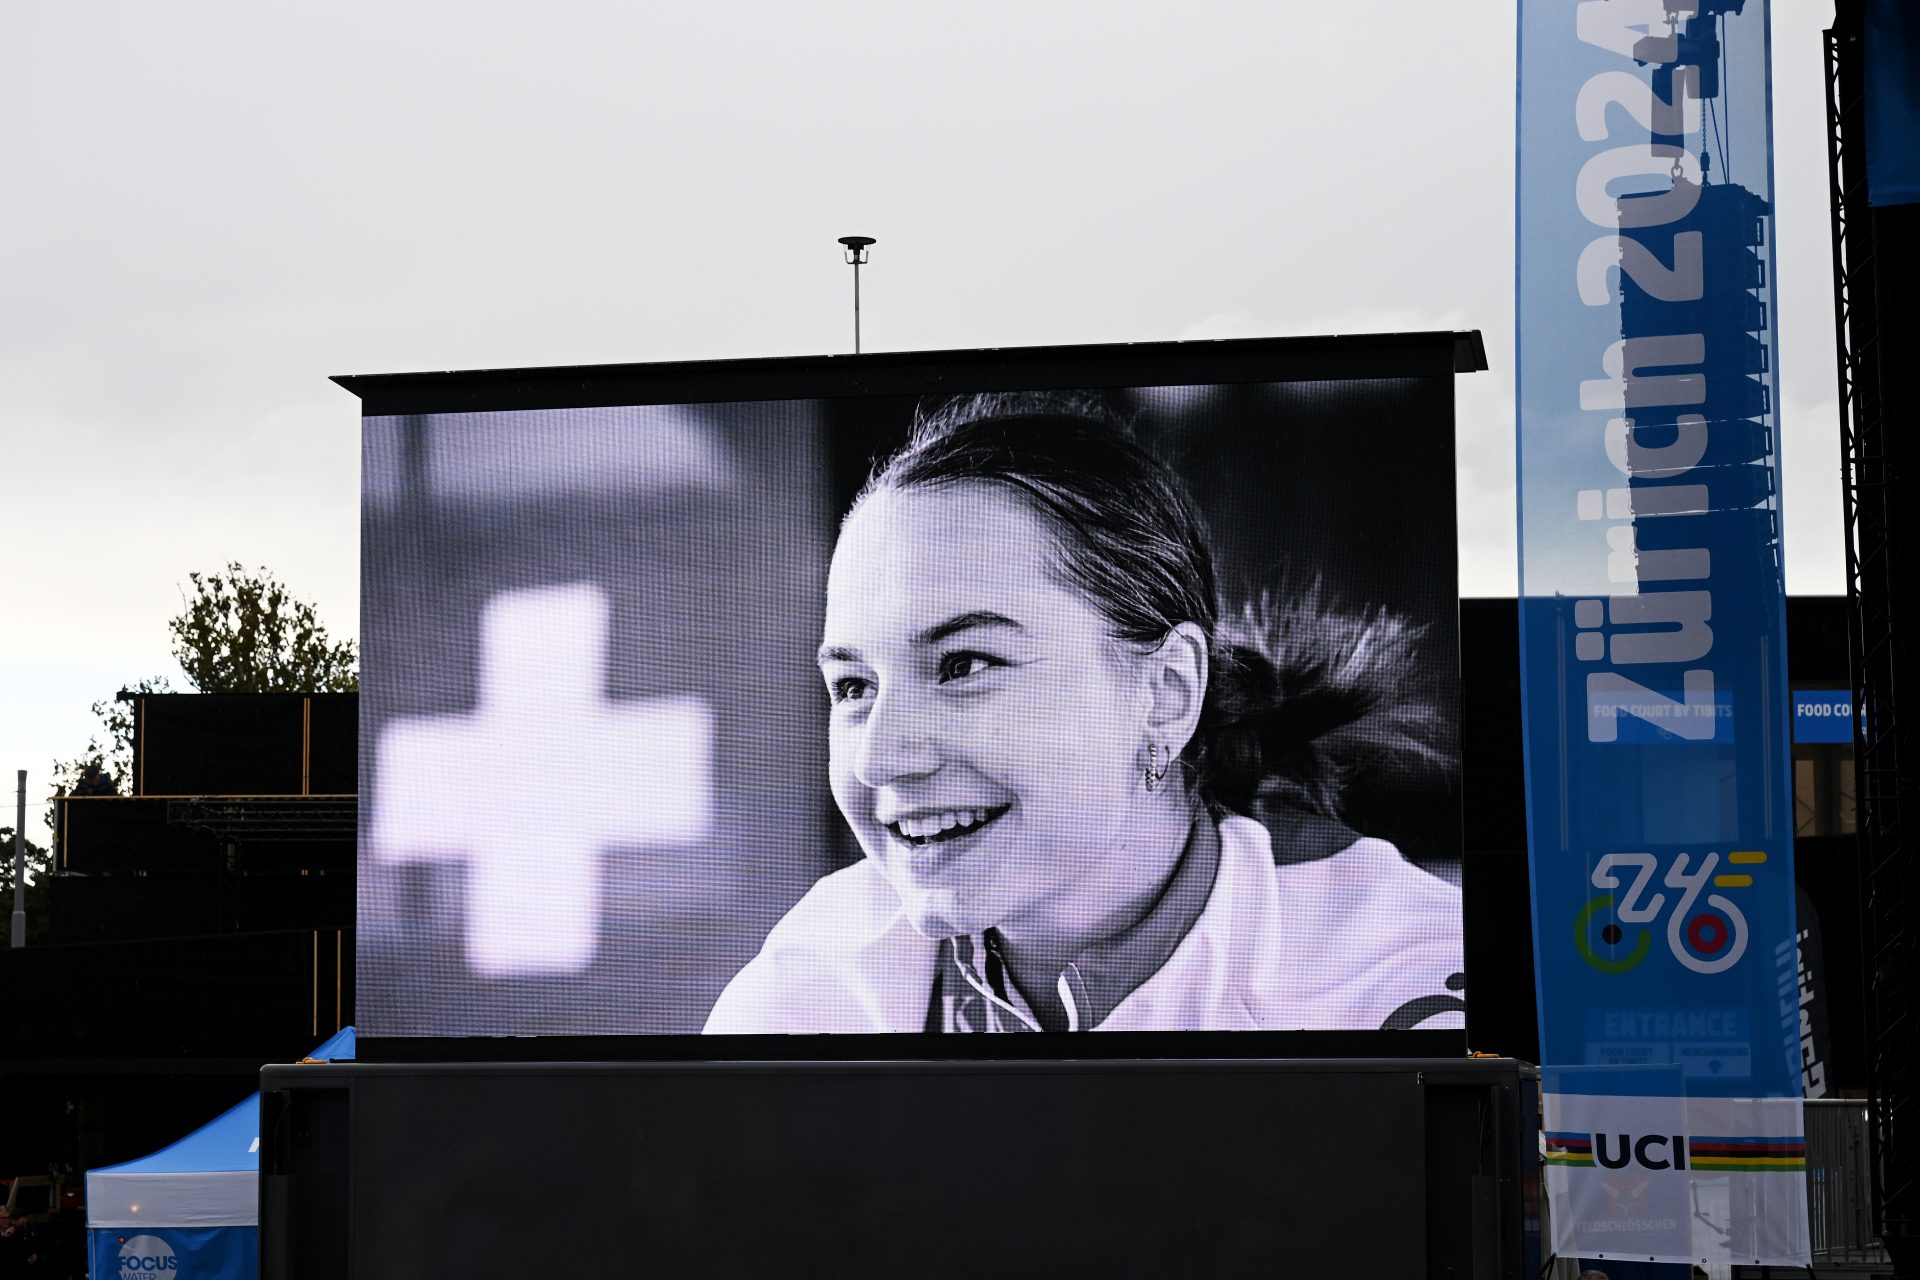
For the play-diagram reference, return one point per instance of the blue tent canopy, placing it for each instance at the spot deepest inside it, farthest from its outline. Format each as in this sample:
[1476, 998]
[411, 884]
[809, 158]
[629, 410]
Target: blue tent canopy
[197, 1199]
[227, 1144]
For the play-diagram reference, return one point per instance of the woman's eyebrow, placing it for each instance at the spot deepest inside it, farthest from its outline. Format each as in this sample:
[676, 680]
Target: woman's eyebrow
[965, 622]
[931, 636]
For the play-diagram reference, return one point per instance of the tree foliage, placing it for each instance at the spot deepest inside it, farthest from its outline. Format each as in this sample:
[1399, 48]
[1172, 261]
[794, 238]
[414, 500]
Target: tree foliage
[114, 755]
[241, 632]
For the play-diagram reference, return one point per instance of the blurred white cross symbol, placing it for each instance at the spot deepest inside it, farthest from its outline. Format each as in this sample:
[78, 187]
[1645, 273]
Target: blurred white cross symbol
[544, 775]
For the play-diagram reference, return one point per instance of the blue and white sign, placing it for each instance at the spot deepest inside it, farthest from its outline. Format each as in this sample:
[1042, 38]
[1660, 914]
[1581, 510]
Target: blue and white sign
[1823, 716]
[1652, 623]
[175, 1253]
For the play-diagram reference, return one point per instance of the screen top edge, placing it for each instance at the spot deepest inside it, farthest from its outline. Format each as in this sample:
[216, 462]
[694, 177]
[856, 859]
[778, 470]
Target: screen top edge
[1333, 357]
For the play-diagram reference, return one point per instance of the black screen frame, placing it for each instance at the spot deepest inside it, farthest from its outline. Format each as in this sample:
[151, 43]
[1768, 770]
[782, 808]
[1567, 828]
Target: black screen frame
[1428, 354]
[1437, 353]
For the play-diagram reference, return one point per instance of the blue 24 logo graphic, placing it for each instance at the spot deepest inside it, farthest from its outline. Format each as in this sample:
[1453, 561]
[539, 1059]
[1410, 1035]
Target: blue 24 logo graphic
[1614, 931]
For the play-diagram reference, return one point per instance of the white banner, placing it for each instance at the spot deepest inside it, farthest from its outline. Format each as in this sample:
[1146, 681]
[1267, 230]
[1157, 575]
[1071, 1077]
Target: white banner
[1706, 1180]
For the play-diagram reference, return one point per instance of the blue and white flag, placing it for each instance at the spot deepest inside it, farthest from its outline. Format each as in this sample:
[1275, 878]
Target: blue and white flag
[1657, 715]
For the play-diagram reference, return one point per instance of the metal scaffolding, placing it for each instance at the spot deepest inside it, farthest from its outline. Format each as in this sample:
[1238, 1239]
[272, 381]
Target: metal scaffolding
[257, 819]
[1870, 494]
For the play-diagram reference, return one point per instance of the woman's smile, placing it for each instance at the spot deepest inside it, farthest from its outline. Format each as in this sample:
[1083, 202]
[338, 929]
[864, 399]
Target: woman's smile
[940, 826]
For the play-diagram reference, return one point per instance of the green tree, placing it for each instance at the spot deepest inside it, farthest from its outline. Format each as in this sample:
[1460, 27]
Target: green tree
[241, 632]
[114, 754]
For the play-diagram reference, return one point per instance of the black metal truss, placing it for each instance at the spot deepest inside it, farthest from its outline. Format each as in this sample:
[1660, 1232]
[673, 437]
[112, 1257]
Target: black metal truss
[1869, 486]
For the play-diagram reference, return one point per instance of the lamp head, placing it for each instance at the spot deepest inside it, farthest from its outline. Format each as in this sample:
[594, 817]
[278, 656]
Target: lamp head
[857, 247]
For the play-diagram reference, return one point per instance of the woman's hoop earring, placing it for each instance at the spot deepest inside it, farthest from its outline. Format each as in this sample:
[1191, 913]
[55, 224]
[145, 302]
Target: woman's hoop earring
[1154, 777]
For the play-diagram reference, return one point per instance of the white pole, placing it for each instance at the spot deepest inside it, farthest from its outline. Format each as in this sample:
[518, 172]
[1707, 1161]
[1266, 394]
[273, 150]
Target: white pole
[20, 865]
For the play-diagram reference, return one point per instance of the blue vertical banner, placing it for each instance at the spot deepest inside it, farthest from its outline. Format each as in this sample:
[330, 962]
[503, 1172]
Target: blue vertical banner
[1653, 638]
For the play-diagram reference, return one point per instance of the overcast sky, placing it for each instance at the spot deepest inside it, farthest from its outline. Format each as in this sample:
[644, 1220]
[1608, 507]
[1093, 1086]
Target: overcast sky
[208, 207]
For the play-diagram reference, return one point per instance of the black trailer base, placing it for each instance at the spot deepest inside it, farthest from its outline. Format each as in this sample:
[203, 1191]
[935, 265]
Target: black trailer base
[1401, 1168]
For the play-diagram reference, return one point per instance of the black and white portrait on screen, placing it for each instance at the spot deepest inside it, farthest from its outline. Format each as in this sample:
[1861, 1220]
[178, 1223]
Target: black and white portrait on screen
[1120, 710]
[1047, 742]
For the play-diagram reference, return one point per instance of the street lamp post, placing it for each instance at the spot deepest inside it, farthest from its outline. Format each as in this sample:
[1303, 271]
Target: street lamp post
[20, 865]
[857, 256]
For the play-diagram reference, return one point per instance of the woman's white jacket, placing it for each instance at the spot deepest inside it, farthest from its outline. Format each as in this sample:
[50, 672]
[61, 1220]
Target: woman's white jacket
[1342, 942]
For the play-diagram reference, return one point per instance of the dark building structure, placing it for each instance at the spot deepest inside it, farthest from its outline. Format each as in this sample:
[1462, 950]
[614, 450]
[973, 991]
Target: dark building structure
[200, 926]
[1873, 156]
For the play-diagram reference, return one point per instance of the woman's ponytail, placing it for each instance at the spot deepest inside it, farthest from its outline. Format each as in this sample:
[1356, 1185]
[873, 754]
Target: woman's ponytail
[1303, 697]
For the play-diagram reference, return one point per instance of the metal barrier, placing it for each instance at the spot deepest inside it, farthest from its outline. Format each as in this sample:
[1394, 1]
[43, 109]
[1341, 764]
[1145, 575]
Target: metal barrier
[1840, 1182]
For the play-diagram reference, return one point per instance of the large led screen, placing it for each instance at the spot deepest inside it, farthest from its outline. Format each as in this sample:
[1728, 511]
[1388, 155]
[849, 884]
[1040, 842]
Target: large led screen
[1092, 708]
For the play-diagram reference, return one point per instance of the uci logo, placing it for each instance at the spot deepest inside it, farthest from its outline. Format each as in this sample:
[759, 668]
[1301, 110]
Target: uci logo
[147, 1256]
[1708, 940]
[1654, 1151]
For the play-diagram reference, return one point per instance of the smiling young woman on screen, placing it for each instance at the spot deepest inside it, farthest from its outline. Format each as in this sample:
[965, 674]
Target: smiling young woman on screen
[1046, 739]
